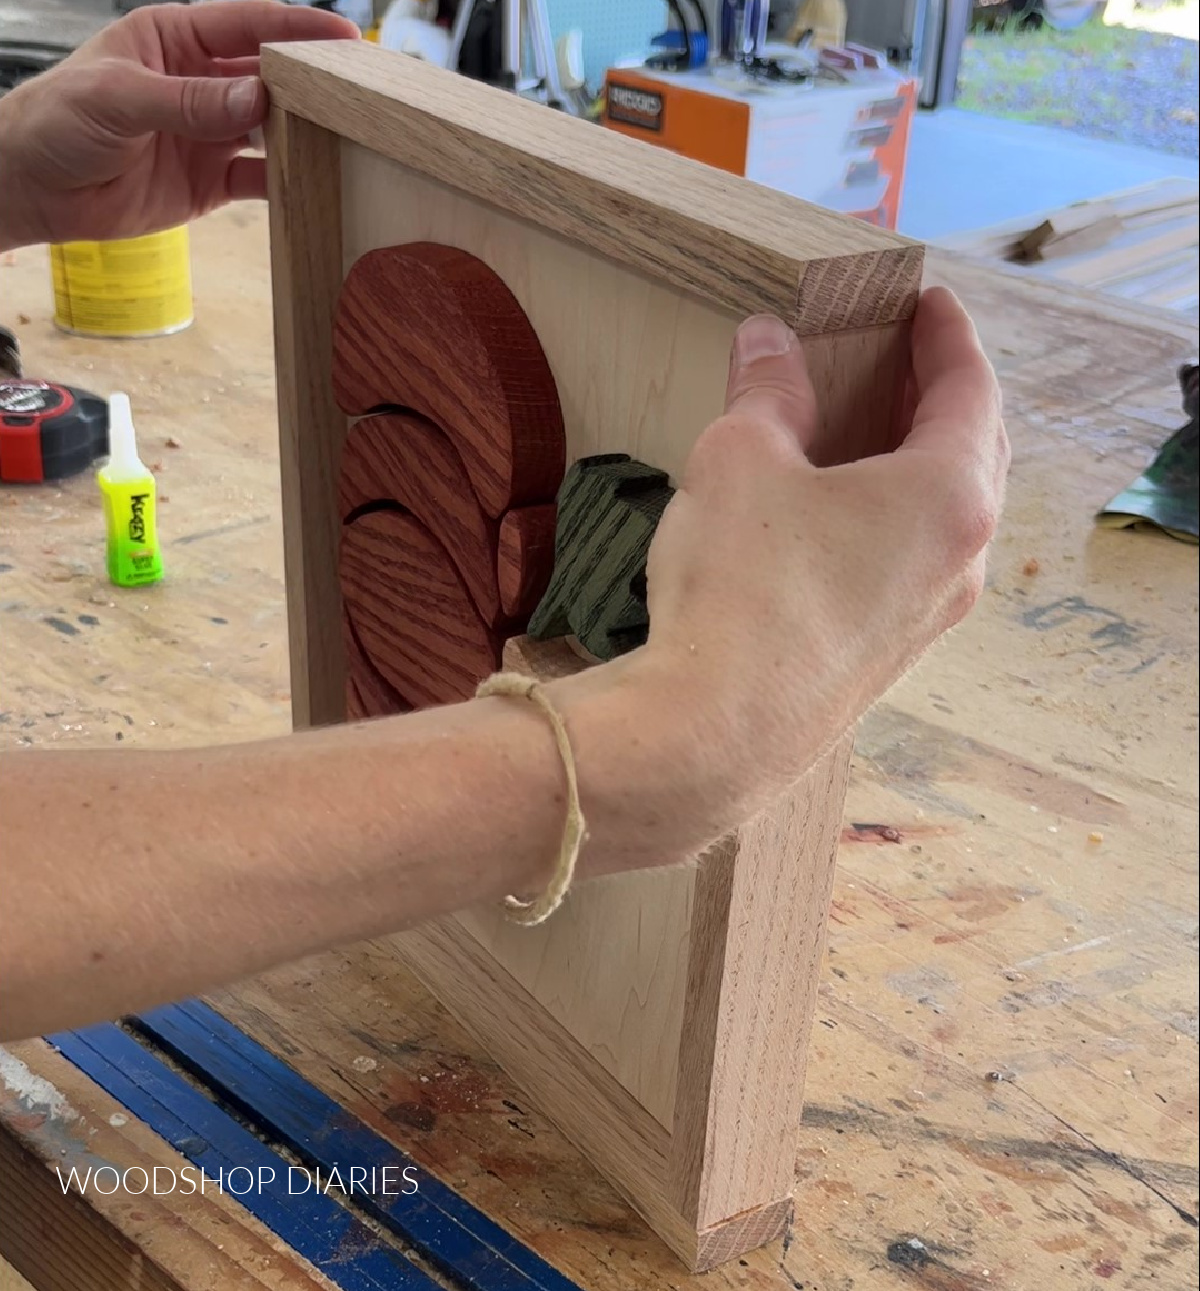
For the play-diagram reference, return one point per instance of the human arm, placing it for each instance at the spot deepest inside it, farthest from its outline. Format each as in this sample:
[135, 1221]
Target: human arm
[144, 126]
[784, 599]
[130, 877]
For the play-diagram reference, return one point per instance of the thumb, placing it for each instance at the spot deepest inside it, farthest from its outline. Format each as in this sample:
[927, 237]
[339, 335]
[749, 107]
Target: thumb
[208, 109]
[768, 378]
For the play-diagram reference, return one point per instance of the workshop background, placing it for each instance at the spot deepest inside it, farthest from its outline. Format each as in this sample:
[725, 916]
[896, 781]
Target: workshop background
[1039, 103]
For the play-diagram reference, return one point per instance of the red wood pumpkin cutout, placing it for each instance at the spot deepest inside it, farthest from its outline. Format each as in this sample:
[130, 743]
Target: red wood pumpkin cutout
[447, 480]
[434, 330]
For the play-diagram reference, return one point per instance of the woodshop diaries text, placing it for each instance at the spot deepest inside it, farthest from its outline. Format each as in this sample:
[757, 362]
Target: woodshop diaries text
[241, 1181]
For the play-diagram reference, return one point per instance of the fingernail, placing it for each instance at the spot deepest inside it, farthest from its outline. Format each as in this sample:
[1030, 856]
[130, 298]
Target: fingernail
[242, 98]
[762, 337]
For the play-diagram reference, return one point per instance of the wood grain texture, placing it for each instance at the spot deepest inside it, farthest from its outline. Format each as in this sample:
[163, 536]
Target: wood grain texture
[732, 1237]
[543, 1057]
[412, 612]
[602, 1119]
[358, 707]
[860, 416]
[367, 693]
[123, 1240]
[608, 509]
[641, 370]
[524, 558]
[733, 244]
[82, 1254]
[402, 458]
[712, 903]
[429, 328]
[1127, 252]
[434, 329]
[304, 183]
[765, 925]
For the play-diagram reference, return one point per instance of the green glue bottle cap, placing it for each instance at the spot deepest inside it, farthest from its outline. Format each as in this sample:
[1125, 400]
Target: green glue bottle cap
[128, 489]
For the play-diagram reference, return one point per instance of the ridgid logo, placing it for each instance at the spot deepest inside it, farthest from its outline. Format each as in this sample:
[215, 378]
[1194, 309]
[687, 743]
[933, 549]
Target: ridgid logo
[634, 107]
[241, 1181]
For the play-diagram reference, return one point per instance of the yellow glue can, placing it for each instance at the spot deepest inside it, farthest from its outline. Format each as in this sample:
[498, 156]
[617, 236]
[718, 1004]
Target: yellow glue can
[126, 288]
[128, 488]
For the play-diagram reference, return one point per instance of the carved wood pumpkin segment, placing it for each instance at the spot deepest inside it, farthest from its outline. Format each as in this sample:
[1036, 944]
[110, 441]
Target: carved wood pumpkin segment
[448, 500]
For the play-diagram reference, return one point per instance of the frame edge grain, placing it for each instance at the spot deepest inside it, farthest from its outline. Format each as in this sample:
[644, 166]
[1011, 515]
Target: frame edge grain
[305, 212]
[758, 928]
[732, 242]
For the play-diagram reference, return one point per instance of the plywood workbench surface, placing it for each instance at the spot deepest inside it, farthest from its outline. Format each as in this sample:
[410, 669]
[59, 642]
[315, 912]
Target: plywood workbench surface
[1004, 1067]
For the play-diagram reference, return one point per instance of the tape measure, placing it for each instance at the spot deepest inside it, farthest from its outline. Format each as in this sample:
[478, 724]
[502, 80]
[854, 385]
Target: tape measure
[48, 431]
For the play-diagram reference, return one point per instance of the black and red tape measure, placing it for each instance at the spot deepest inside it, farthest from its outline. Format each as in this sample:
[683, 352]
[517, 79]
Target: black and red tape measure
[48, 431]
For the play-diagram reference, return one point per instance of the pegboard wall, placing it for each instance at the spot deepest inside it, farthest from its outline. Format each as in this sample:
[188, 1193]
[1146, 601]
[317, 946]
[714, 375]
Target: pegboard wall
[612, 29]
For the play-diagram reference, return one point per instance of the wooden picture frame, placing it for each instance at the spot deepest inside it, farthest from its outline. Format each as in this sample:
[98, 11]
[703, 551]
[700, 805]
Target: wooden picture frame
[661, 1019]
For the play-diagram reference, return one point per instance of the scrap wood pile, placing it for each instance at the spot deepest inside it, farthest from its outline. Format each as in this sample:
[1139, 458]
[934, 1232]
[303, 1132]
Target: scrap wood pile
[1141, 243]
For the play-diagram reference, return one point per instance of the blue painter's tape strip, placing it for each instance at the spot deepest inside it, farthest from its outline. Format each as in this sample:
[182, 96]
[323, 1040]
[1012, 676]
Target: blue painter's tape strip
[453, 1235]
[343, 1248]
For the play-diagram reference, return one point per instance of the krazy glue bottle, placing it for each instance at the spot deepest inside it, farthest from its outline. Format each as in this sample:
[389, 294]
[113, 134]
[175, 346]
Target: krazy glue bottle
[128, 489]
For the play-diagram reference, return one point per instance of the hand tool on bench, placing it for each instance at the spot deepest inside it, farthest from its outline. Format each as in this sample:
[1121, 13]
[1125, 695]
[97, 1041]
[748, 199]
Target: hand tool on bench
[48, 431]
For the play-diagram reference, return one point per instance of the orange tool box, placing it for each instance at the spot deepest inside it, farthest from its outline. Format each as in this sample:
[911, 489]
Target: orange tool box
[840, 144]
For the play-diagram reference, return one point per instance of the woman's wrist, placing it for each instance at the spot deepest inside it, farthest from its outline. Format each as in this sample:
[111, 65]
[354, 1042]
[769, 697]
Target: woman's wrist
[657, 782]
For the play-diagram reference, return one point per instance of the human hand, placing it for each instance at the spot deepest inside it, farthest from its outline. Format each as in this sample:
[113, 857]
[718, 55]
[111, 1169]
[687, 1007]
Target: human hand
[784, 598]
[142, 127]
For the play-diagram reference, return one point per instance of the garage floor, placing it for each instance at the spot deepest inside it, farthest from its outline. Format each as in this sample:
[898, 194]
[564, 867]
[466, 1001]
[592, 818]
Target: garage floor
[966, 171]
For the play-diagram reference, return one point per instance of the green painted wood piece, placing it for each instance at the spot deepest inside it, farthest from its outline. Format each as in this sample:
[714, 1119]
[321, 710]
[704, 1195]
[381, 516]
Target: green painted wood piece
[608, 509]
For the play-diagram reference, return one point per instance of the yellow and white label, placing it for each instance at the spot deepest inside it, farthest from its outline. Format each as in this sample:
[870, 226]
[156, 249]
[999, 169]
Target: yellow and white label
[125, 288]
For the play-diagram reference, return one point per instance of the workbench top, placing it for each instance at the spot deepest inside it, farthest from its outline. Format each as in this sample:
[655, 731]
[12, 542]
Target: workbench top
[1002, 1084]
